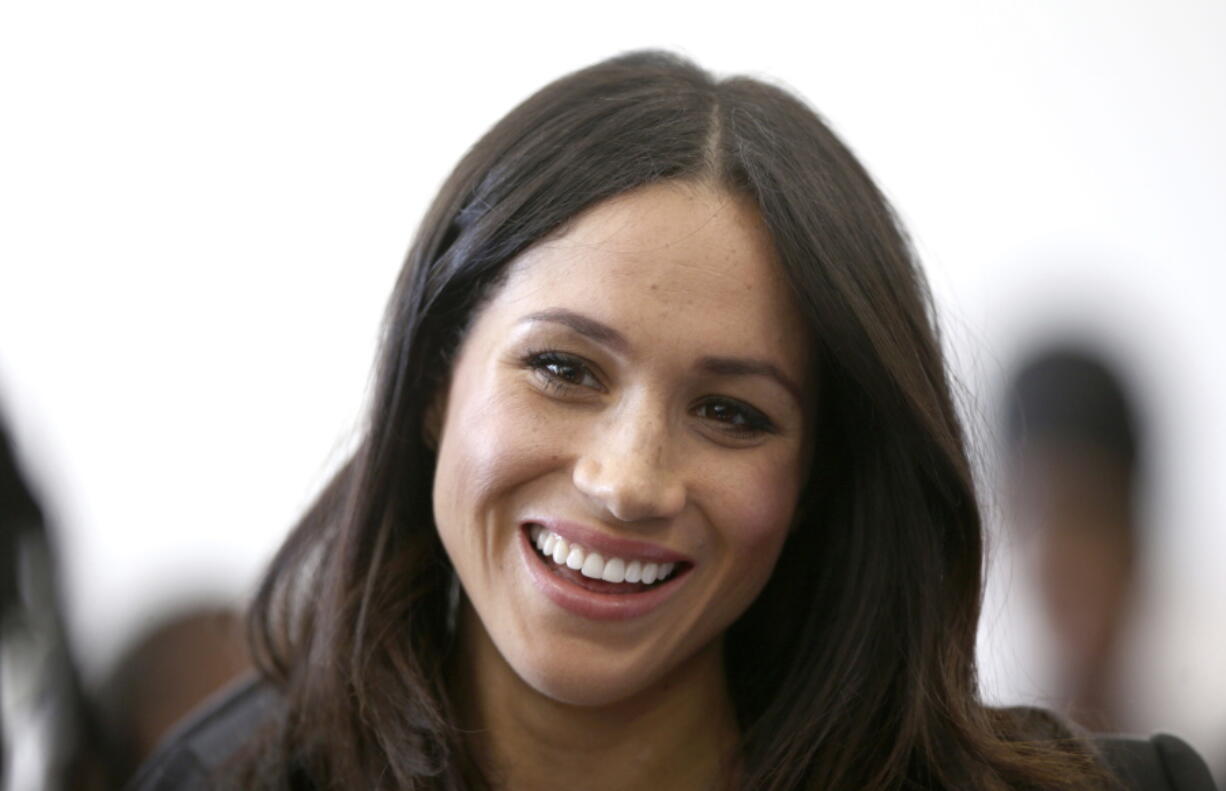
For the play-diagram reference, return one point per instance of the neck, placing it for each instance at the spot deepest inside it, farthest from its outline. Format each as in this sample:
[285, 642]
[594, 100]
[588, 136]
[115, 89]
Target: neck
[680, 733]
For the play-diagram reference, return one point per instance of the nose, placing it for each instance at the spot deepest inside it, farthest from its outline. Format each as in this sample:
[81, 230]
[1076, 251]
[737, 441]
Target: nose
[627, 468]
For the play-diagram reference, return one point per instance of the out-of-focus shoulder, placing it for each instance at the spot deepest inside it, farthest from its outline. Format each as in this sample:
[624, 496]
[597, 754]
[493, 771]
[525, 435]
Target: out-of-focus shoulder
[1159, 763]
[195, 753]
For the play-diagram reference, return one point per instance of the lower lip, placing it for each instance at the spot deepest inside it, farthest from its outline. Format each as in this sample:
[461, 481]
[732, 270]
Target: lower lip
[588, 604]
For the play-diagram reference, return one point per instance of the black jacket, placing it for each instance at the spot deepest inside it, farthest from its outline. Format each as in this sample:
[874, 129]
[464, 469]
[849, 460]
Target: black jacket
[190, 757]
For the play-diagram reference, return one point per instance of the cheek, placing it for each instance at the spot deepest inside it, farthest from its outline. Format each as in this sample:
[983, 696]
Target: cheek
[752, 512]
[759, 502]
[489, 444]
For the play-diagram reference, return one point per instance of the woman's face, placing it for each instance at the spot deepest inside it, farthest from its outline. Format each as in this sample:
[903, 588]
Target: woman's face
[633, 403]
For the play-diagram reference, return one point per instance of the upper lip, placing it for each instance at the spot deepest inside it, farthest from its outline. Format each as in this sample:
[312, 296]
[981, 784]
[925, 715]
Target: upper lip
[607, 545]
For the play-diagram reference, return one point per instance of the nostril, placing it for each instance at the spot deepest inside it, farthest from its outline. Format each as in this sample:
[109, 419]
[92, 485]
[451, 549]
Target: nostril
[631, 486]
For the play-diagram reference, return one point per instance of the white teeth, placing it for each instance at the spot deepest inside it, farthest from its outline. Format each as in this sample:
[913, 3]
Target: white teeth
[614, 570]
[560, 550]
[593, 566]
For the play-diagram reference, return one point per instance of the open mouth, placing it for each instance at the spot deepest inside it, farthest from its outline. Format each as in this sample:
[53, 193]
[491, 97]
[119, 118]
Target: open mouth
[596, 572]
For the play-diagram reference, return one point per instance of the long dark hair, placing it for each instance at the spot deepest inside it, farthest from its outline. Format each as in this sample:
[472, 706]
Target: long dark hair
[854, 669]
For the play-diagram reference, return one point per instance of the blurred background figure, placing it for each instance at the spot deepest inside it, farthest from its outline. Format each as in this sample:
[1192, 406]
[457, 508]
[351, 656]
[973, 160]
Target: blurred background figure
[167, 671]
[57, 734]
[1073, 472]
[45, 721]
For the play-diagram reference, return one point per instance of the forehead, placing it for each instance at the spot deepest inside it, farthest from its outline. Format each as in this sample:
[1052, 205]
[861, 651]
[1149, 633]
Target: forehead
[663, 229]
[690, 260]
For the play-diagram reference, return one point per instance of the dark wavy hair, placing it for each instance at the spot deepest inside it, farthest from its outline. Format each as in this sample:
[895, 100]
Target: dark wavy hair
[854, 669]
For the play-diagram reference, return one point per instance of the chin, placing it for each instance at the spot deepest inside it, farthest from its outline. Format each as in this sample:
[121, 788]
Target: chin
[577, 673]
[579, 678]
[576, 688]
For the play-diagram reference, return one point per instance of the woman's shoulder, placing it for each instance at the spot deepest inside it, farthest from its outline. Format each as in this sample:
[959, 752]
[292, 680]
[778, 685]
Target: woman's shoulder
[194, 754]
[1159, 763]
[1156, 763]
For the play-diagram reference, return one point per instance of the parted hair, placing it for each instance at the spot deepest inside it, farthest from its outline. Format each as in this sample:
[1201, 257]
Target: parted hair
[854, 669]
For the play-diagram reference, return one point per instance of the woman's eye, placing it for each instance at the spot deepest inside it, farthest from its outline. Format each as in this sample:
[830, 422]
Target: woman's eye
[562, 371]
[738, 418]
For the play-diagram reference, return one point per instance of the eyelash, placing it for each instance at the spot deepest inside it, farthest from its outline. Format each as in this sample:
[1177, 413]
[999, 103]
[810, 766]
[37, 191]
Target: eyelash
[541, 362]
[745, 423]
[752, 422]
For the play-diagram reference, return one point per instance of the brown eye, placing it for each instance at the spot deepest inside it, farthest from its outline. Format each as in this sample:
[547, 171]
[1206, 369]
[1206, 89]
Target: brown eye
[738, 418]
[561, 371]
[564, 370]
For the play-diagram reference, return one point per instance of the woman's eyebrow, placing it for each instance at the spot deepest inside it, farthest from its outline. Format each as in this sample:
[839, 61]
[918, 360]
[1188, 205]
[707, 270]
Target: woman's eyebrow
[745, 366]
[584, 325]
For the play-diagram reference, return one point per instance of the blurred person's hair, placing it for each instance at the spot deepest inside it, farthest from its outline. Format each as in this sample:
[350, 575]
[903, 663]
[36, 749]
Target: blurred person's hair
[1070, 396]
[48, 735]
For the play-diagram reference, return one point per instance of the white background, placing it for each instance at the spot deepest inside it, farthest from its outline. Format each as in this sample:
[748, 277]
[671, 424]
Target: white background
[203, 207]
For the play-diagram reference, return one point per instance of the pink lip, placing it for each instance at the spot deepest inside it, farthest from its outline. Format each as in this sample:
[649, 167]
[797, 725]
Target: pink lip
[607, 545]
[586, 603]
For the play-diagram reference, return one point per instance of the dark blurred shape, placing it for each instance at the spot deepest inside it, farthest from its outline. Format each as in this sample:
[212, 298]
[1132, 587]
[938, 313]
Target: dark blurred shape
[1074, 466]
[166, 672]
[44, 718]
[21, 518]
[54, 735]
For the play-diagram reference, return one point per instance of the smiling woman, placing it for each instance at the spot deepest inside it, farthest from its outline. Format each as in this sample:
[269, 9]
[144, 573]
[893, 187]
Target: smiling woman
[662, 486]
[610, 499]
